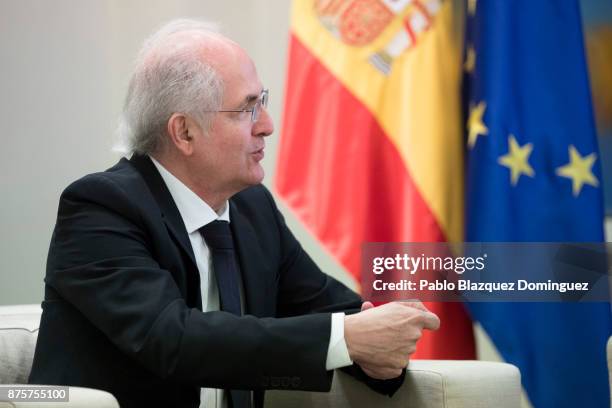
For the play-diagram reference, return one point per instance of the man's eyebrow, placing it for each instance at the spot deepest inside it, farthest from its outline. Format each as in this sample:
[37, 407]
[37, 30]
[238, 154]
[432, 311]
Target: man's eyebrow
[250, 98]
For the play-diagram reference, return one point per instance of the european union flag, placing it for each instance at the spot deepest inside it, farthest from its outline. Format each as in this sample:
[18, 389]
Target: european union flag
[533, 175]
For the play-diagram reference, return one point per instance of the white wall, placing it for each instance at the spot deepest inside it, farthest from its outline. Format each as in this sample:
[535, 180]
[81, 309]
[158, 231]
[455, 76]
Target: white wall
[64, 69]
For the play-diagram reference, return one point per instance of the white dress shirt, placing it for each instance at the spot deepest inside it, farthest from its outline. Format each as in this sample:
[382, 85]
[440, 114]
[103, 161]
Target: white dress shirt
[196, 213]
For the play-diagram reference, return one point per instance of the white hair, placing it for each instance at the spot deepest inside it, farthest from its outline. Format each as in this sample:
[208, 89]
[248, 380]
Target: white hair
[169, 77]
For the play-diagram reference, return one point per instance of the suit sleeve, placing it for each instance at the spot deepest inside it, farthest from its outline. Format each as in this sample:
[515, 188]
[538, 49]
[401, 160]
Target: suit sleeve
[101, 263]
[304, 288]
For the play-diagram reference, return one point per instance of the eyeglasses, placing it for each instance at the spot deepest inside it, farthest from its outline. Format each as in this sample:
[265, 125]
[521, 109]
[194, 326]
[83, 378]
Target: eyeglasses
[261, 102]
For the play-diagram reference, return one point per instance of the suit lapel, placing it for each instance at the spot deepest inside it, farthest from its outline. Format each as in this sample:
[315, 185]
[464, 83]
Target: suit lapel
[160, 192]
[254, 275]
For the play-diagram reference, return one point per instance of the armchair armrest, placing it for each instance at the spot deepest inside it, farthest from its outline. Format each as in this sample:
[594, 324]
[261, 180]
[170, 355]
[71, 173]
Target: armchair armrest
[428, 384]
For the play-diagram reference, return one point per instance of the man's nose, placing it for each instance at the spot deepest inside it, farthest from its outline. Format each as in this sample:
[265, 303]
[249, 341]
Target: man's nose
[264, 125]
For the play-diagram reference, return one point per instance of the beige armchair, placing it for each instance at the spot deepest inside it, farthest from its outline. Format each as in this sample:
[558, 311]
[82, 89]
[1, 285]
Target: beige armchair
[429, 384]
[18, 333]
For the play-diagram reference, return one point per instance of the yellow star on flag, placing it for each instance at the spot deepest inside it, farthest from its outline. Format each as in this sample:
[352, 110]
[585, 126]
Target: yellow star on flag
[475, 126]
[470, 60]
[517, 160]
[472, 7]
[579, 169]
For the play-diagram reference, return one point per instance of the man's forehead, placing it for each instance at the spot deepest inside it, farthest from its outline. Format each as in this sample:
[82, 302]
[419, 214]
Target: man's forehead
[239, 75]
[225, 56]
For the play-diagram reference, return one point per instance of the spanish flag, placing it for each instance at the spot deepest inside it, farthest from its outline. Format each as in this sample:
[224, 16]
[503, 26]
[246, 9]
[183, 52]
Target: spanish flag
[372, 143]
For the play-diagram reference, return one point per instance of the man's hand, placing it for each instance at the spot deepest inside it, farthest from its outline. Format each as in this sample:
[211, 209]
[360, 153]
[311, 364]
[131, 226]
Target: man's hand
[380, 339]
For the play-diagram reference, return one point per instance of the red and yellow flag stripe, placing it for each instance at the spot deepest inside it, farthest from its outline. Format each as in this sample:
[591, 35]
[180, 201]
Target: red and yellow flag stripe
[371, 145]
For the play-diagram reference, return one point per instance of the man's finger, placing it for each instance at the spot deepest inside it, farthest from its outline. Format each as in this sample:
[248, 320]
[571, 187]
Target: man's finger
[366, 305]
[415, 304]
[431, 321]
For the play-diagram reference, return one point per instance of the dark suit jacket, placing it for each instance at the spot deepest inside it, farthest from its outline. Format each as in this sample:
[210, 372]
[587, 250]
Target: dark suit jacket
[122, 309]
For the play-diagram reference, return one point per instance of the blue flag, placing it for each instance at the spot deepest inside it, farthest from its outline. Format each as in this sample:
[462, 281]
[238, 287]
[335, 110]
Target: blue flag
[533, 174]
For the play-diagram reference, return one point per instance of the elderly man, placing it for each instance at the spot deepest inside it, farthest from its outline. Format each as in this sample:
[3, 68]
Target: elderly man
[174, 270]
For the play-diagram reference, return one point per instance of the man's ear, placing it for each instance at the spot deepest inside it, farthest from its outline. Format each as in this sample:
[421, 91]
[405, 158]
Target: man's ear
[182, 130]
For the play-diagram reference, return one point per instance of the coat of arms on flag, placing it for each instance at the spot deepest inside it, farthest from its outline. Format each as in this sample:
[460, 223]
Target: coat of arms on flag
[360, 23]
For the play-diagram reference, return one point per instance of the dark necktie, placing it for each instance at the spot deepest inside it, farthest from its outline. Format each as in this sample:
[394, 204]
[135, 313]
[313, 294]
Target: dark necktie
[218, 237]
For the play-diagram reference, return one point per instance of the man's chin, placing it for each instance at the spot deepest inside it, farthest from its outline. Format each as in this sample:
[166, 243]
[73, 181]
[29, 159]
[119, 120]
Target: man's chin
[257, 175]
[254, 178]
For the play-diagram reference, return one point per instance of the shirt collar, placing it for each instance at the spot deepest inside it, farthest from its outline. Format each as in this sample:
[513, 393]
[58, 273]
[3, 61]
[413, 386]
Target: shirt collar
[194, 211]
